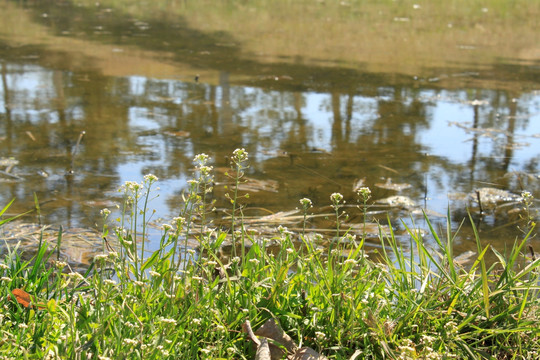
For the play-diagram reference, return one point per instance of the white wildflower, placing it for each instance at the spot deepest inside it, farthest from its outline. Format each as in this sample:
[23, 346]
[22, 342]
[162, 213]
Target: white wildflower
[75, 276]
[336, 198]
[150, 178]
[306, 203]
[101, 257]
[364, 193]
[240, 155]
[60, 264]
[201, 158]
[130, 342]
[168, 321]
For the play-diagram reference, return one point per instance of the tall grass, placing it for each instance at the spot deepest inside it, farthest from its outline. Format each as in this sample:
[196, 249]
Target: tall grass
[178, 303]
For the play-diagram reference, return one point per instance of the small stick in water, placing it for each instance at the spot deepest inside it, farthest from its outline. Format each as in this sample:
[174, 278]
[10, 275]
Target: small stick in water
[532, 252]
[479, 202]
[75, 150]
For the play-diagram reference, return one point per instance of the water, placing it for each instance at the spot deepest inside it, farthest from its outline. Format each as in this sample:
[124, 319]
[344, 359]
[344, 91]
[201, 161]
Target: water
[145, 96]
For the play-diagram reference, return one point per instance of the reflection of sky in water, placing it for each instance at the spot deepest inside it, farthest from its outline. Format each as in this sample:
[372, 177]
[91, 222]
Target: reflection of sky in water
[445, 139]
[453, 144]
[321, 119]
[33, 85]
[315, 112]
[137, 85]
[139, 119]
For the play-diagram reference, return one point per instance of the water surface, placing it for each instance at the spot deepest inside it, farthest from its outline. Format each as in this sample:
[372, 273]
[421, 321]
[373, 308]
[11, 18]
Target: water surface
[150, 90]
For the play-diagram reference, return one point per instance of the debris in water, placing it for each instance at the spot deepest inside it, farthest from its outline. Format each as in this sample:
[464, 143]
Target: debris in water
[389, 185]
[358, 184]
[465, 258]
[389, 169]
[403, 202]
[30, 135]
[79, 246]
[179, 133]
[493, 196]
[256, 185]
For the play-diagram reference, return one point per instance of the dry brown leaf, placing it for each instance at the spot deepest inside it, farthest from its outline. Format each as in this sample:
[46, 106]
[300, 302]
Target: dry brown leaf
[307, 353]
[272, 330]
[263, 351]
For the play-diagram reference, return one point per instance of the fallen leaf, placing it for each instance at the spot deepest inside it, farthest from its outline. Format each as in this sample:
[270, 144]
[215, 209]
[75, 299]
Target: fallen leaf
[271, 329]
[22, 297]
[389, 185]
[263, 351]
[307, 353]
[398, 201]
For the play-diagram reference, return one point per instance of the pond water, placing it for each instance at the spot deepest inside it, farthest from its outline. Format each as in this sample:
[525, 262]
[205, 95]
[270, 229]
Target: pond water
[95, 94]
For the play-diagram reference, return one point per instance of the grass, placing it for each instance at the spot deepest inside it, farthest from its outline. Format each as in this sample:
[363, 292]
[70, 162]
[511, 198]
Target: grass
[178, 303]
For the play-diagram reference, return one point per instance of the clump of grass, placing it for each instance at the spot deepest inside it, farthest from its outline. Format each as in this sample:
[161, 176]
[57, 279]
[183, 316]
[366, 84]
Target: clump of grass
[176, 302]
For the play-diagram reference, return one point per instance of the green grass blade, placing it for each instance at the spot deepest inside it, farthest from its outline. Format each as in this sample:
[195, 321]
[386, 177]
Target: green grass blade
[485, 286]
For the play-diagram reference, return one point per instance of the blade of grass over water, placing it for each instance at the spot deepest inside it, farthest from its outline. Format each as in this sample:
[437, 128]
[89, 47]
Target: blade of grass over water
[405, 300]
[484, 277]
